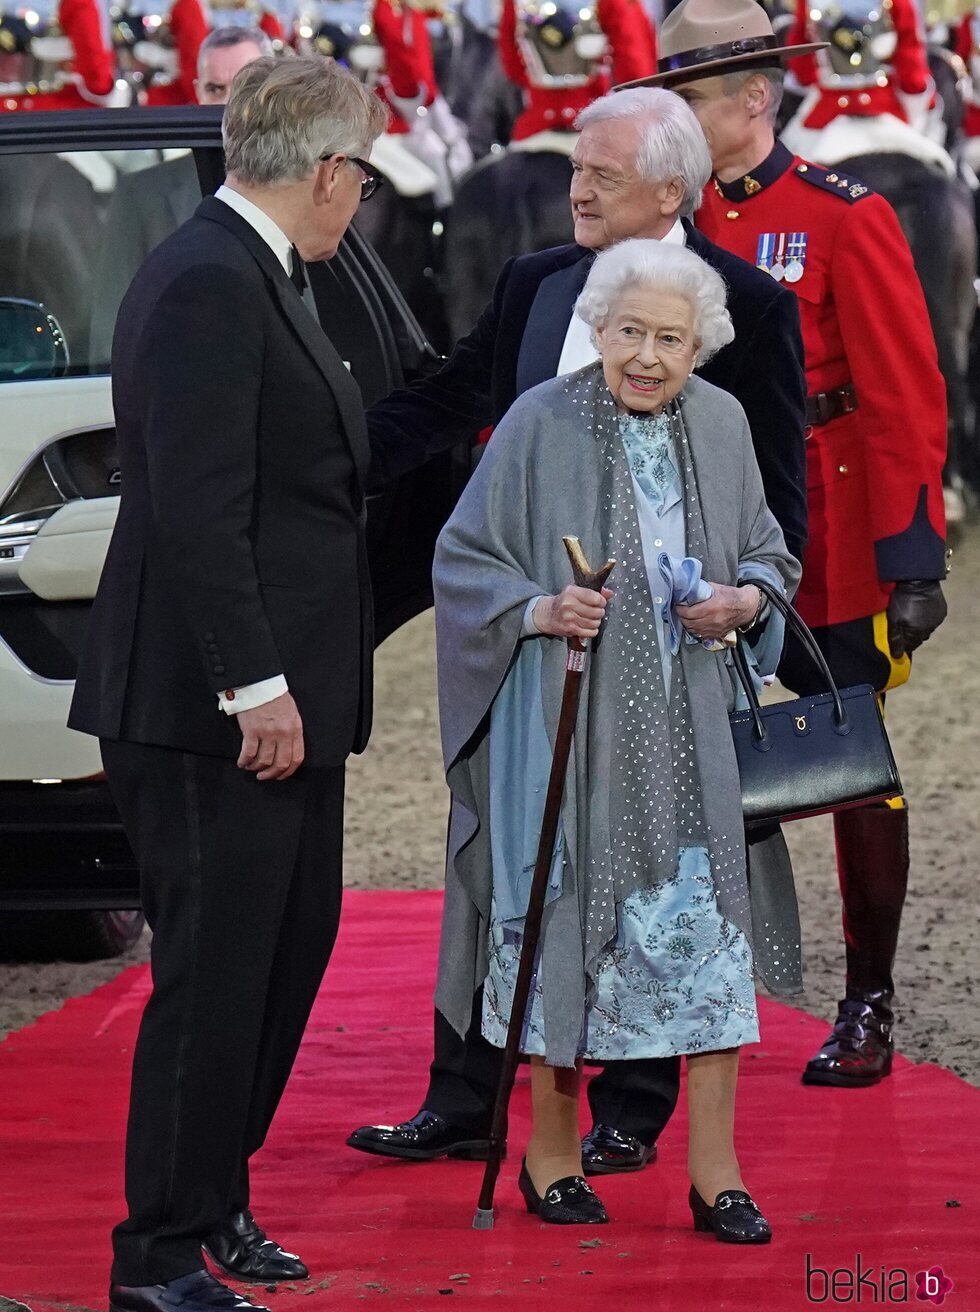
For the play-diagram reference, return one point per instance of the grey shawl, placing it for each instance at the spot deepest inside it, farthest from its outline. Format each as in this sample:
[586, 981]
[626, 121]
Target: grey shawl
[540, 479]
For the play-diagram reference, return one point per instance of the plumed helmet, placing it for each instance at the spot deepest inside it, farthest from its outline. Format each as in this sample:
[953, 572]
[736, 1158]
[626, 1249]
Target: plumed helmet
[342, 30]
[561, 42]
[21, 65]
[861, 41]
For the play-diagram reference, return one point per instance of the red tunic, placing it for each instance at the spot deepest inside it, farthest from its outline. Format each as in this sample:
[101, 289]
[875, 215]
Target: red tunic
[403, 34]
[93, 64]
[188, 27]
[908, 71]
[632, 39]
[874, 476]
[967, 48]
[66, 97]
[272, 27]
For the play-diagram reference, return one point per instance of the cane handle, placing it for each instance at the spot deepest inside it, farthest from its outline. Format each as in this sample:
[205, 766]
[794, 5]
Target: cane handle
[585, 576]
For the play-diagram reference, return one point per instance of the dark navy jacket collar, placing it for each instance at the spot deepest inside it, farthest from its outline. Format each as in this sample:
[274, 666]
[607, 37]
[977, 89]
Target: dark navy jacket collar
[547, 323]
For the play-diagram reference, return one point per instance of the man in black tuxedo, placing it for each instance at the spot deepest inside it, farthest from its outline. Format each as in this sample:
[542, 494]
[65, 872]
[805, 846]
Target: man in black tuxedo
[230, 644]
[639, 167]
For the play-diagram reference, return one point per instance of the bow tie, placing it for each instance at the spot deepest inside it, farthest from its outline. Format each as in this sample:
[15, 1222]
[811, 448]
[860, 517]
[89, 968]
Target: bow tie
[298, 275]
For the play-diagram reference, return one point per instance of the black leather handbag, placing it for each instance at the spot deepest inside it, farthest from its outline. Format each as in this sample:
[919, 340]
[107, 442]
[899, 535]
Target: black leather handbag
[813, 754]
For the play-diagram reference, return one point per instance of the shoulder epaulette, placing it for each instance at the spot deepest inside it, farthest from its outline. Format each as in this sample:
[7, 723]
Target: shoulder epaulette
[841, 184]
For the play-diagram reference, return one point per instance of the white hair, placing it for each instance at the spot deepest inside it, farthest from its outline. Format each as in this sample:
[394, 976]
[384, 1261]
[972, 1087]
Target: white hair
[672, 144]
[658, 266]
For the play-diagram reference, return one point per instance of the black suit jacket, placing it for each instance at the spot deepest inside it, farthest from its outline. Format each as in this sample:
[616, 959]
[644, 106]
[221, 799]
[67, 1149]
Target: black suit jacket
[239, 550]
[518, 339]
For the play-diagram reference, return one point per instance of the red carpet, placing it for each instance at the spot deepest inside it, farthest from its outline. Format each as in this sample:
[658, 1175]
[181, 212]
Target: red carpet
[889, 1174]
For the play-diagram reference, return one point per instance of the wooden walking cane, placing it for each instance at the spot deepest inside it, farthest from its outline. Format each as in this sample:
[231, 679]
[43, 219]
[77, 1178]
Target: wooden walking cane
[585, 577]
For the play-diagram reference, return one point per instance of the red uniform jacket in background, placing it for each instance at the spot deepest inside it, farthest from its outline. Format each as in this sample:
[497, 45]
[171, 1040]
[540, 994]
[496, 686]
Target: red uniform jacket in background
[93, 66]
[188, 27]
[967, 49]
[908, 72]
[271, 26]
[874, 477]
[403, 34]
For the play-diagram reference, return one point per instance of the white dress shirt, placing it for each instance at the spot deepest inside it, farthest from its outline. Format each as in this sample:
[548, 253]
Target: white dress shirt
[267, 228]
[578, 351]
[251, 695]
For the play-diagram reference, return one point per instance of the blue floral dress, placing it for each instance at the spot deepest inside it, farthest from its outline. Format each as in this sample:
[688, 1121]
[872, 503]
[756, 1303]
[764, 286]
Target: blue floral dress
[677, 978]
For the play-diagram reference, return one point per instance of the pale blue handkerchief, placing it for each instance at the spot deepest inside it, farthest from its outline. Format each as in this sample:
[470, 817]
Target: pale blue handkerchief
[683, 585]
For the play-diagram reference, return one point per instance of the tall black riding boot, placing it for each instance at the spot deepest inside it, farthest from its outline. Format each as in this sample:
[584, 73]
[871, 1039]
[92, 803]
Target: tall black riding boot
[873, 867]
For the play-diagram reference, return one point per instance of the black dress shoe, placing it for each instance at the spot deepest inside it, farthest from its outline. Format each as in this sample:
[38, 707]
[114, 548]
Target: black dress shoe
[859, 1050]
[569, 1201]
[607, 1152]
[734, 1219]
[198, 1292]
[422, 1139]
[242, 1249]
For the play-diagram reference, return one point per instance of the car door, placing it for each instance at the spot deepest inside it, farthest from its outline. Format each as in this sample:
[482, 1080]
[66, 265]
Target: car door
[84, 197]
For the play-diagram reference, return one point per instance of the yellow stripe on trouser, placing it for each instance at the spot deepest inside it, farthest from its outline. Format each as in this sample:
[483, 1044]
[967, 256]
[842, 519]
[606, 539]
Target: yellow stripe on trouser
[899, 671]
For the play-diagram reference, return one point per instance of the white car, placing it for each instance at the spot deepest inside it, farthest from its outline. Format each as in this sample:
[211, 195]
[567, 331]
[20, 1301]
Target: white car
[84, 197]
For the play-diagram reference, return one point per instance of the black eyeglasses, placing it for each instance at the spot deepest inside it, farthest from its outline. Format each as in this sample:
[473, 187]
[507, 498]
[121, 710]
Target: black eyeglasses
[371, 179]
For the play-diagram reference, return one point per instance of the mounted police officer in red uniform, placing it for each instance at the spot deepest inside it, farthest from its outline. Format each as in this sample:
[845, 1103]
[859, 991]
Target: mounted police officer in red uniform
[563, 56]
[872, 571]
[65, 63]
[869, 89]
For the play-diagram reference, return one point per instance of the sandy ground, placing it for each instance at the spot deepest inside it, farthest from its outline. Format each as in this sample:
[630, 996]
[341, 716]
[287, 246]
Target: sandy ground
[396, 831]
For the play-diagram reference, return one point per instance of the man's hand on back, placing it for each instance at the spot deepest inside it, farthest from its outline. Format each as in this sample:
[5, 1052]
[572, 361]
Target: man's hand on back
[272, 739]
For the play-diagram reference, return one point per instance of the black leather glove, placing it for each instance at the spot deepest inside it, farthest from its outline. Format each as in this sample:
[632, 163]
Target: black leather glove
[916, 609]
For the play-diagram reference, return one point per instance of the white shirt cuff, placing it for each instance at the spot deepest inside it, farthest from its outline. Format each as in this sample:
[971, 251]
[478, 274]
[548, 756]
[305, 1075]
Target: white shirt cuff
[529, 629]
[251, 695]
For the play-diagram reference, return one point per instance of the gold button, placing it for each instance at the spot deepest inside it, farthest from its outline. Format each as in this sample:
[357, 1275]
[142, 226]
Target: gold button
[802, 168]
[732, 214]
[843, 101]
[842, 469]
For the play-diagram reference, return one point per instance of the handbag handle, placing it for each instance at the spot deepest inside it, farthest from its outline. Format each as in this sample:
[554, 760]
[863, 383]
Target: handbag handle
[745, 678]
[793, 621]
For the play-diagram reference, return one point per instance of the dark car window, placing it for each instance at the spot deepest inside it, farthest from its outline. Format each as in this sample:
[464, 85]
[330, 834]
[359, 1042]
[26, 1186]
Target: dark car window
[76, 225]
[74, 228]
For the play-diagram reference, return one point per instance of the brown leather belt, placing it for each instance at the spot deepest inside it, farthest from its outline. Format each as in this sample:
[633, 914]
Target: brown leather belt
[825, 406]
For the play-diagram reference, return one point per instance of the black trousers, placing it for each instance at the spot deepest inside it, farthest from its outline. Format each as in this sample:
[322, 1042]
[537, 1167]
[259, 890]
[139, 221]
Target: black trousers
[241, 885]
[637, 1097]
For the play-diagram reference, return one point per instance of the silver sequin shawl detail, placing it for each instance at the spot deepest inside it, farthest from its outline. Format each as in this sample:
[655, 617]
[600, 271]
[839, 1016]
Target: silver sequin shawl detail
[643, 778]
[546, 473]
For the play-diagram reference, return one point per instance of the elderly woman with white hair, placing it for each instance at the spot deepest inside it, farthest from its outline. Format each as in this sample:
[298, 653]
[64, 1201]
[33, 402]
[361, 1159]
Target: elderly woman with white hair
[646, 948]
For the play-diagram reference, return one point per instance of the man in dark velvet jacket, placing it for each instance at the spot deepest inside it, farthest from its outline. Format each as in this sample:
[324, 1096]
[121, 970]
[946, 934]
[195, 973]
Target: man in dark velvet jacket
[639, 168]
